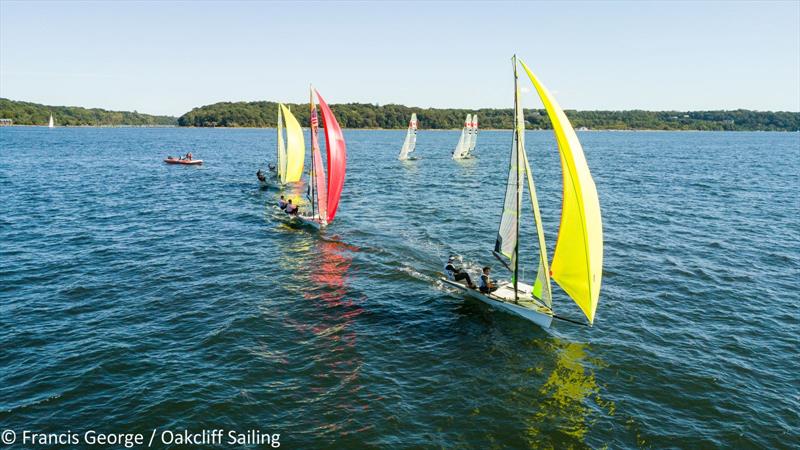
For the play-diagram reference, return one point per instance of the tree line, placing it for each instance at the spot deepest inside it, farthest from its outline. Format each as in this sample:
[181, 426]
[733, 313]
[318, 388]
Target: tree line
[26, 113]
[363, 115]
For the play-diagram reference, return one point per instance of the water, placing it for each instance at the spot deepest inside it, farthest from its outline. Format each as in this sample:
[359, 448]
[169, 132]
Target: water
[137, 295]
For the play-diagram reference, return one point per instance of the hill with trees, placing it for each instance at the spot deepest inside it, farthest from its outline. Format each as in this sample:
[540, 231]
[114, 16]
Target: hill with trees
[26, 113]
[365, 115]
[362, 115]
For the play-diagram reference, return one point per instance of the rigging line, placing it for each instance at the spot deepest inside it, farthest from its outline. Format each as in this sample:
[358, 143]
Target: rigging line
[567, 319]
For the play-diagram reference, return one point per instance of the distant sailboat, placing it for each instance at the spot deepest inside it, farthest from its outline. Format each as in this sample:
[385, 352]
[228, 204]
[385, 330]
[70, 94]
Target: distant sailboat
[291, 154]
[578, 259]
[411, 139]
[473, 136]
[325, 193]
[462, 149]
[51, 124]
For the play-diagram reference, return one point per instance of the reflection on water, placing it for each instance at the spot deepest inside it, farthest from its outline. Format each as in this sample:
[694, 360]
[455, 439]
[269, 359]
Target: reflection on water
[327, 339]
[567, 402]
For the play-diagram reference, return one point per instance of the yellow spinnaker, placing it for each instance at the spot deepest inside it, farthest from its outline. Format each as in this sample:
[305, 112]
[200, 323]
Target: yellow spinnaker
[295, 147]
[577, 264]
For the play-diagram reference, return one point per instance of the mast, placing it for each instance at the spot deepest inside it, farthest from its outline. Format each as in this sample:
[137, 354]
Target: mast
[312, 130]
[516, 149]
[506, 246]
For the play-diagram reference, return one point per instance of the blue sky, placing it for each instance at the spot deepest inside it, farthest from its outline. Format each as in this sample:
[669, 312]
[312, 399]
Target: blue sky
[165, 58]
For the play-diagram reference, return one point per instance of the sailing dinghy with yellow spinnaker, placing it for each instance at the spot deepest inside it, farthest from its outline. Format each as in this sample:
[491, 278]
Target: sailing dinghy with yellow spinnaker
[578, 258]
[291, 150]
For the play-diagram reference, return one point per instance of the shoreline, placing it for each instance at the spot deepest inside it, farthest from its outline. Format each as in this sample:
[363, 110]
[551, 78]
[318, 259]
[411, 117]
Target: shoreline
[596, 130]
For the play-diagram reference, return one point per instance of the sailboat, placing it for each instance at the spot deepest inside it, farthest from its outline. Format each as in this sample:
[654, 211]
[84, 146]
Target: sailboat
[325, 192]
[411, 140]
[462, 148]
[578, 258]
[291, 151]
[51, 124]
[473, 135]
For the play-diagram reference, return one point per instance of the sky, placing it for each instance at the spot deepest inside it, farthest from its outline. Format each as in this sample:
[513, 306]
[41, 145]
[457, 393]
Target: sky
[168, 57]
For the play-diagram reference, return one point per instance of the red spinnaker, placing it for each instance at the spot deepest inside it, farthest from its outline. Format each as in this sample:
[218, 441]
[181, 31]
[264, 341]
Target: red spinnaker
[337, 157]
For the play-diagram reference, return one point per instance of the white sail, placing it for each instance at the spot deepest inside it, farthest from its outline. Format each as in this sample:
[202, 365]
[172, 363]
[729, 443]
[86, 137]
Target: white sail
[473, 139]
[411, 138]
[519, 171]
[51, 124]
[463, 142]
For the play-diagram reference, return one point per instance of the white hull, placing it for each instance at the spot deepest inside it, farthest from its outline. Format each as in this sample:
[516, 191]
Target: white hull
[503, 299]
[315, 221]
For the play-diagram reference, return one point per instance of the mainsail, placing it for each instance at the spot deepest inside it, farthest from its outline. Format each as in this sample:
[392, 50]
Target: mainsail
[280, 170]
[337, 157]
[578, 259]
[507, 242]
[463, 142]
[319, 191]
[411, 138]
[295, 147]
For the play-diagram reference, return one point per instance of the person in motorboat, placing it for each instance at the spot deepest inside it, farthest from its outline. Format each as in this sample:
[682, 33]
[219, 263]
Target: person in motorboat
[282, 203]
[456, 273]
[188, 156]
[291, 208]
[261, 177]
[487, 285]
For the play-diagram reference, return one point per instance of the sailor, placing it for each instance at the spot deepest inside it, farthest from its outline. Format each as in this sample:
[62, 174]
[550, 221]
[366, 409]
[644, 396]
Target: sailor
[189, 156]
[457, 274]
[282, 203]
[291, 209]
[487, 285]
[271, 167]
[261, 176]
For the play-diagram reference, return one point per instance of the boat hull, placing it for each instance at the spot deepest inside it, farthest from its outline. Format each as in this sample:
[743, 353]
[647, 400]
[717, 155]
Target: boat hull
[194, 162]
[503, 299]
[314, 222]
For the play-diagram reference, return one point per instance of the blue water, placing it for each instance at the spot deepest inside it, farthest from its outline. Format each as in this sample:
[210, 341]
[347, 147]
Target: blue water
[136, 295]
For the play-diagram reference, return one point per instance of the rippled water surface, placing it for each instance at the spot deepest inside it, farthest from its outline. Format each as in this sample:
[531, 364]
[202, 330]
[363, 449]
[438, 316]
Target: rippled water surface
[136, 295]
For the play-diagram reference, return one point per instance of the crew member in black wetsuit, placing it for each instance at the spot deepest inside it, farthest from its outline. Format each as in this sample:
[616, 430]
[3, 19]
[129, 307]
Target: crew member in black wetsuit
[457, 274]
[487, 285]
[261, 176]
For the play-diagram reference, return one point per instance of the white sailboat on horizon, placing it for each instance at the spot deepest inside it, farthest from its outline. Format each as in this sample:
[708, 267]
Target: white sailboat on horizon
[462, 148]
[51, 124]
[411, 140]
